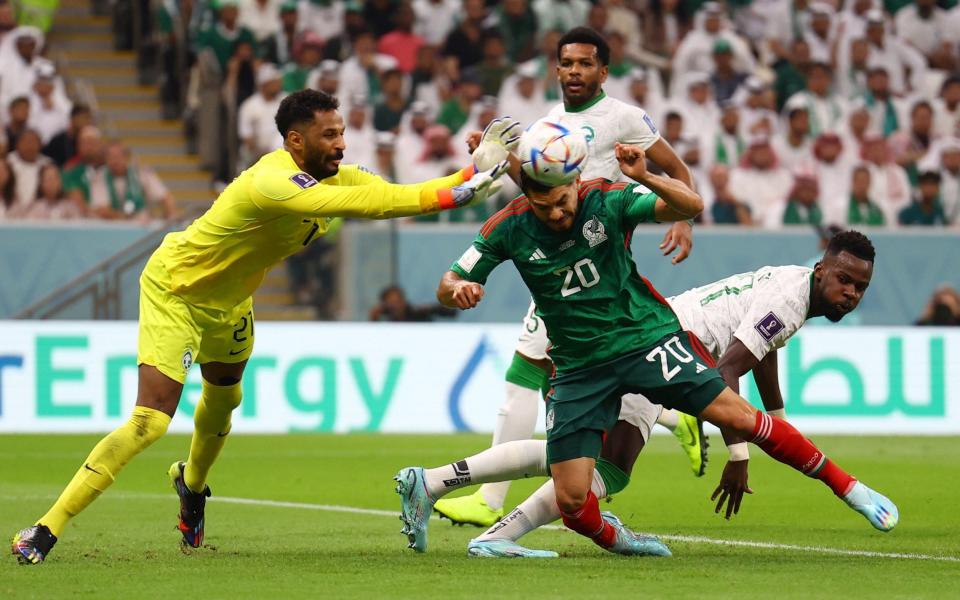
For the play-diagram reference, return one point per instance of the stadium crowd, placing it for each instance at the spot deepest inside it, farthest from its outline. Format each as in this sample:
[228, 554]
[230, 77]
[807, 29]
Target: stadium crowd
[787, 111]
[54, 162]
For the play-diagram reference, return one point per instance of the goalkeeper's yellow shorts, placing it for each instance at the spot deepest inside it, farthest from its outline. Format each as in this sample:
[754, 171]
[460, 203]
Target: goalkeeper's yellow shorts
[175, 334]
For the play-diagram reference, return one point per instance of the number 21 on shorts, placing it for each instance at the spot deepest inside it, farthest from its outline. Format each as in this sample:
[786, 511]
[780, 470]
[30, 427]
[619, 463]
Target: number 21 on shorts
[674, 349]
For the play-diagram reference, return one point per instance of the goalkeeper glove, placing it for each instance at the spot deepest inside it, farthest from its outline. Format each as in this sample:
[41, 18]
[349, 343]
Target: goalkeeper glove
[480, 187]
[500, 138]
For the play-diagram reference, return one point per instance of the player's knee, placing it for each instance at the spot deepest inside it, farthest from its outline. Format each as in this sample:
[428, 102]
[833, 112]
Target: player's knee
[571, 499]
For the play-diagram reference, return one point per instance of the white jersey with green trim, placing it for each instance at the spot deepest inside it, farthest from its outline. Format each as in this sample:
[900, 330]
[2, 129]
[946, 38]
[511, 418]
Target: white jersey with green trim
[762, 309]
[606, 121]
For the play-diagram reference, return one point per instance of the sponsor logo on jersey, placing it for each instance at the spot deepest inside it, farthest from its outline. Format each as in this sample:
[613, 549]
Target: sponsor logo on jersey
[593, 231]
[187, 359]
[303, 180]
[537, 255]
[469, 259]
[700, 368]
[769, 326]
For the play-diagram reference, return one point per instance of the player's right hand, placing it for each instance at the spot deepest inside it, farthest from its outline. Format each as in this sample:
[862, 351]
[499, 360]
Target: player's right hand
[733, 484]
[467, 294]
[481, 186]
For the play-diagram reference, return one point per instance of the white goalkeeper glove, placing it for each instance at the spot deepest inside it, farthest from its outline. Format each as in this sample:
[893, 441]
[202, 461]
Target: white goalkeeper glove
[499, 139]
[480, 187]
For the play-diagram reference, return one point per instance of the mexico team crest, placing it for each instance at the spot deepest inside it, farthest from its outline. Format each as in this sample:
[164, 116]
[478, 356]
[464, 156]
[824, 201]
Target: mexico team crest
[593, 231]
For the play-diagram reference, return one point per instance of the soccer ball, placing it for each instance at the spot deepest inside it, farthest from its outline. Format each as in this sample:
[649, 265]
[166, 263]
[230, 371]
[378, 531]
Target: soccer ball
[551, 153]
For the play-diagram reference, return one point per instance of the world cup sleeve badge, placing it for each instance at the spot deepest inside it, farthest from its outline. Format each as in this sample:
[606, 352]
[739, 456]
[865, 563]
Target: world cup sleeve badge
[303, 181]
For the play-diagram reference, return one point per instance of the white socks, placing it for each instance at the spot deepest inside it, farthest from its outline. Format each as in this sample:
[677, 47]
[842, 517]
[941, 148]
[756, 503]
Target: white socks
[516, 420]
[537, 510]
[669, 418]
[504, 462]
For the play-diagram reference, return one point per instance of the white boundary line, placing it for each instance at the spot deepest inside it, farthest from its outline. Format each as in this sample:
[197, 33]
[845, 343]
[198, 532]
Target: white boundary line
[693, 539]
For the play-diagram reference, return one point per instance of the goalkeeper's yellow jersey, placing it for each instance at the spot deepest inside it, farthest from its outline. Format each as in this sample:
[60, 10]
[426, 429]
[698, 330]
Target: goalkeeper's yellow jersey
[272, 210]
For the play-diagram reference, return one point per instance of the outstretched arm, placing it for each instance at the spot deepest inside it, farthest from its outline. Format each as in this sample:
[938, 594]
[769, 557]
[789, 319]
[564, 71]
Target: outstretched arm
[376, 199]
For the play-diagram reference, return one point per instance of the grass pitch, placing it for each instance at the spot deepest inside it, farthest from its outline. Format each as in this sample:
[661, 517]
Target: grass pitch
[125, 545]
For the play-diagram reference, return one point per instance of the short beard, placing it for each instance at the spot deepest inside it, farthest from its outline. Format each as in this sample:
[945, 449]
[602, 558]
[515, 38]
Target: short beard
[317, 168]
[589, 91]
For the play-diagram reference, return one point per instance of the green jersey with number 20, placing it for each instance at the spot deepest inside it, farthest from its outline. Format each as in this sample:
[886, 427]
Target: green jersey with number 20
[584, 281]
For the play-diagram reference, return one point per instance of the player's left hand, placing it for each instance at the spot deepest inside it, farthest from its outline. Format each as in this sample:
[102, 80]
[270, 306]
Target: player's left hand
[680, 235]
[733, 484]
[497, 142]
[481, 186]
[503, 131]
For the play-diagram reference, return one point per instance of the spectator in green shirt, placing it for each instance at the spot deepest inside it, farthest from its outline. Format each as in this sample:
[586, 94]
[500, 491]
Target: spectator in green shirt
[802, 207]
[790, 78]
[862, 210]
[494, 67]
[80, 170]
[389, 108]
[518, 26]
[308, 53]
[926, 208]
[455, 111]
[225, 34]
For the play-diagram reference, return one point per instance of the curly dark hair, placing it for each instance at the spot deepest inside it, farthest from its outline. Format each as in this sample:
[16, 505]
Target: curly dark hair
[852, 242]
[585, 35]
[299, 107]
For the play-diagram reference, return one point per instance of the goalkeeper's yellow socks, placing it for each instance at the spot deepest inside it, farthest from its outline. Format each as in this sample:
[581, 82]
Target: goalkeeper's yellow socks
[211, 424]
[145, 426]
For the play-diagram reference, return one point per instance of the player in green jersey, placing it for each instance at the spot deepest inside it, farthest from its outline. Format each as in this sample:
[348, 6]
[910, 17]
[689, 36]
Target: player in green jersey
[612, 334]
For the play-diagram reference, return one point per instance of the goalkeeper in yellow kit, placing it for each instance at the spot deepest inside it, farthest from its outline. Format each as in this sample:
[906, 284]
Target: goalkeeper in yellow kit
[195, 298]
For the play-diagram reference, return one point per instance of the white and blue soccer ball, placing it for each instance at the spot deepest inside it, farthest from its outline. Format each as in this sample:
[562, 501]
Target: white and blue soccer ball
[551, 153]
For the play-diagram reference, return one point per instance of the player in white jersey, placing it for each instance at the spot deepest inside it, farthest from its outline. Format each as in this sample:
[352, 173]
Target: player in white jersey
[582, 56]
[741, 320]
